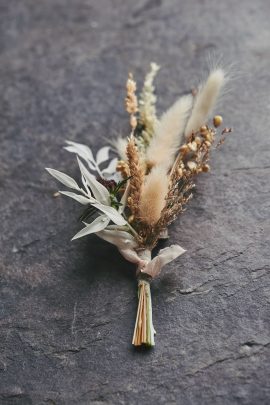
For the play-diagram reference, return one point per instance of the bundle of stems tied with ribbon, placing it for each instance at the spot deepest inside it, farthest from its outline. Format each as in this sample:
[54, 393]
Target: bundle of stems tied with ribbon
[131, 200]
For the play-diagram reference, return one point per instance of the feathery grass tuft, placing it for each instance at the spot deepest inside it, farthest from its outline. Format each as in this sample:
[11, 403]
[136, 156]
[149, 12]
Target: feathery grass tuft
[205, 100]
[168, 133]
[120, 145]
[154, 191]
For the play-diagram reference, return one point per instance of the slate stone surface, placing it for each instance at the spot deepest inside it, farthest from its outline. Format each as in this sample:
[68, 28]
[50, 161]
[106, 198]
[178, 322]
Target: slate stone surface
[68, 309]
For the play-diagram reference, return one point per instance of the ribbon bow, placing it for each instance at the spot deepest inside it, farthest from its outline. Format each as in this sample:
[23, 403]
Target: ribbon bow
[128, 248]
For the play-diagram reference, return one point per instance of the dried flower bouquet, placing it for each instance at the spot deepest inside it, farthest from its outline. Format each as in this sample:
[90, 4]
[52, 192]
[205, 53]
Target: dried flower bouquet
[131, 201]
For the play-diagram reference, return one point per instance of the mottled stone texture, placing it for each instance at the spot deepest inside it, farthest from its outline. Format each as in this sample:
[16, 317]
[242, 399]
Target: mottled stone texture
[68, 309]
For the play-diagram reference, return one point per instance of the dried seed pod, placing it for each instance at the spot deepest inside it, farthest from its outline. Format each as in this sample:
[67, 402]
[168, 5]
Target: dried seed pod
[205, 168]
[203, 129]
[217, 120]
[192, 146]
[184, 148]
[180, 172]
[191, 165]
[209, 137]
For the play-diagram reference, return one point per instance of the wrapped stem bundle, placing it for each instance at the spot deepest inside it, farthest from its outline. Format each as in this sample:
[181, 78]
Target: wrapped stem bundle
[131, 201]
[144, 330]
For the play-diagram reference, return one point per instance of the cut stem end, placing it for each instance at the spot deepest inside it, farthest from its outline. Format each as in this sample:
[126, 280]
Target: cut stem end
[144, 330]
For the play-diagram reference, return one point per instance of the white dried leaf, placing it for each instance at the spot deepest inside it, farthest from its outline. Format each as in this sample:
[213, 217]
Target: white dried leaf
[97, 225]
[100, 192]
[111, 168]
[84, 152]
[102, 155]
[112, 213]
[117, 228]
[81, 199]
[74, 150]
[63, 178]
[84, 182]
[81, 150]
[124, 242]
[120, 239]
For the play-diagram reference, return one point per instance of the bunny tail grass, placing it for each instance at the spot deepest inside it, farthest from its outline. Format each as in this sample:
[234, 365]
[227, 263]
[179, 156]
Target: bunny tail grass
[168, 133]
[205, 100]
[153, 195]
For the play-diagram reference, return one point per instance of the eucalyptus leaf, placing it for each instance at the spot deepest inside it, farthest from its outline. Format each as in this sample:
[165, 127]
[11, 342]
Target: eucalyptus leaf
[100, 192]
[102, 155]
[82, 155]
[111, 167]
[97, 225]
[121, 239]
[112, 213]
[81, 199]
[125, 243]
[63, 178]
[83, 151]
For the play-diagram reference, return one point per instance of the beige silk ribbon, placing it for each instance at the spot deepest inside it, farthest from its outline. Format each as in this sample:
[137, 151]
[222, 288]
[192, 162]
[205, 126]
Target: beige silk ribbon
[128, 248]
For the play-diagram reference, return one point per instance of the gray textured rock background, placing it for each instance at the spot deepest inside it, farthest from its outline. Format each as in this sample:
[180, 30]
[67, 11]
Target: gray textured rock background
[68, 309]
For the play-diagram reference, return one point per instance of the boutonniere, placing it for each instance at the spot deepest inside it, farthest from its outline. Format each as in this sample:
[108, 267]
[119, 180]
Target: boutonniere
[131, 200]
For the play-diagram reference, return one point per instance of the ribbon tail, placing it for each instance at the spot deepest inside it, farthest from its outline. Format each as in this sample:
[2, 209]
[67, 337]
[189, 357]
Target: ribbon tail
[165, 256]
